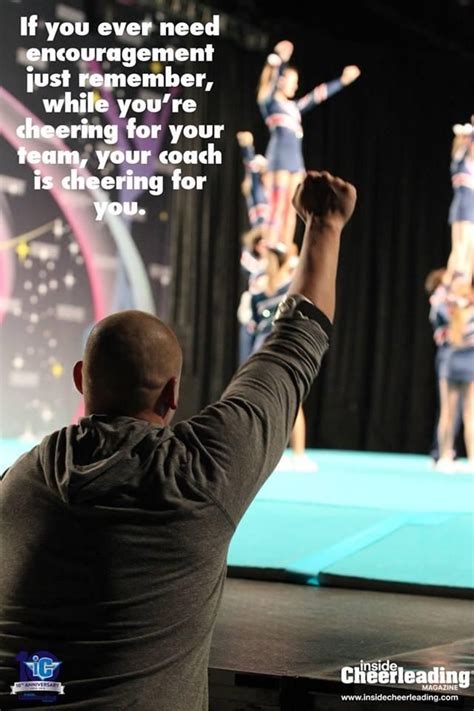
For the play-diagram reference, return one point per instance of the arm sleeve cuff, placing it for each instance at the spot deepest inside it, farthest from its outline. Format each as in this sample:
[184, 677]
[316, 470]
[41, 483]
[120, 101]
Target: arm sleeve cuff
[323, 321]
[303, 310]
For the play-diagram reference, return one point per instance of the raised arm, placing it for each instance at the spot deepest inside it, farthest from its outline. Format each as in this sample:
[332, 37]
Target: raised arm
[253, 187]
[274, 67]
[325, 204]
[235, 444]
[463, 139]
[323, 91]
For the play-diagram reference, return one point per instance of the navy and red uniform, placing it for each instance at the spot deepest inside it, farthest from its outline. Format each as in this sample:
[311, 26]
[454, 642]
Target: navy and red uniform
[257, 199]
[439, 319]
[283, 118]
[462, 178]
[264, 308]
[455, 361]
[257, 208]
[252, 263]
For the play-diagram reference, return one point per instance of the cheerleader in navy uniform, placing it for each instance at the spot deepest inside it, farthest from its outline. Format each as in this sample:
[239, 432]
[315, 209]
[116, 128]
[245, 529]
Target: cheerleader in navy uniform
[253, 187]
[461, 212]
[253, 254]
[252, 258]
[439, 319]
[452, 311]
[282, 114]
[274, 286]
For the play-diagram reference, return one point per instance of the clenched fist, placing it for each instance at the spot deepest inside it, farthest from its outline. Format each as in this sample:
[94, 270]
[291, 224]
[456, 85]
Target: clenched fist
[284, 49]
[324, 196]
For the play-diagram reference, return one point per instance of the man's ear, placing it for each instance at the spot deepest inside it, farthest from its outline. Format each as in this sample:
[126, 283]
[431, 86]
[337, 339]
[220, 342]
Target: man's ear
[77, 376]
[168, 399]
[170, 393]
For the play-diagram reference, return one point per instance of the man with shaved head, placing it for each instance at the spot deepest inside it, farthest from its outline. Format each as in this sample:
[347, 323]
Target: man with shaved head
[114, 531]
[132, 364]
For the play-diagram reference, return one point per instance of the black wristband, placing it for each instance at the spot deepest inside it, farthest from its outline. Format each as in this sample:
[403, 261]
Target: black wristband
[297, 306]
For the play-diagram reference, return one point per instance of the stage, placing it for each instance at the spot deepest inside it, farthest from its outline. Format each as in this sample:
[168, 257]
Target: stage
[281, 647]
[362, 520]
[384, 521]
[388, 523]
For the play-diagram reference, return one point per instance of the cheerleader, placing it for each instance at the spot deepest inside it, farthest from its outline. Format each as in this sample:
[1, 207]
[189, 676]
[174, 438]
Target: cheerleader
[253, 253]
[282, 114]
[437, 291]
[274, 285]
[452, 313]
[461, 212]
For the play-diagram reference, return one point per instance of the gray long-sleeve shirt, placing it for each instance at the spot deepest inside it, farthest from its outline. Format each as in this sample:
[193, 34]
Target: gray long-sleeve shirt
[114, 536]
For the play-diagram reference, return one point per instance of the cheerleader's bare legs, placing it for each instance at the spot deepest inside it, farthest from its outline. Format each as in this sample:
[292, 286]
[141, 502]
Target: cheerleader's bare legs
[468, 421]
[461, 212]
[461, 258]
[298, 435]
[449, 404]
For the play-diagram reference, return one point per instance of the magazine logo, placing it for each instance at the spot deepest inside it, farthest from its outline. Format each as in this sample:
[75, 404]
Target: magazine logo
[39, 674]
[387, 672]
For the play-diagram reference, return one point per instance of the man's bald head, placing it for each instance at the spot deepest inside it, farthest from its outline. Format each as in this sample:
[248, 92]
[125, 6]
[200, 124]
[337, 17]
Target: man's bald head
[132, 364]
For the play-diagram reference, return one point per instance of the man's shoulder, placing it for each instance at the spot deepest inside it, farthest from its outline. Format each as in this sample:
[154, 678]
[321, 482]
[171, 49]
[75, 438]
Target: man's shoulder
[26, 461]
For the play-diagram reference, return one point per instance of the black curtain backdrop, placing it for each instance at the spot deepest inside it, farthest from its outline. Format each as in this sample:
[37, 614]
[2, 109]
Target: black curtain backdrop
[389, 133]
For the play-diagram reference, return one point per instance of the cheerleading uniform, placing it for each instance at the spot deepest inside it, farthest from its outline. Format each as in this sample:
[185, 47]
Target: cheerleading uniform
[283, 118]
[264, 308]
[454, 362]
[257, 200]
[462, 178]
